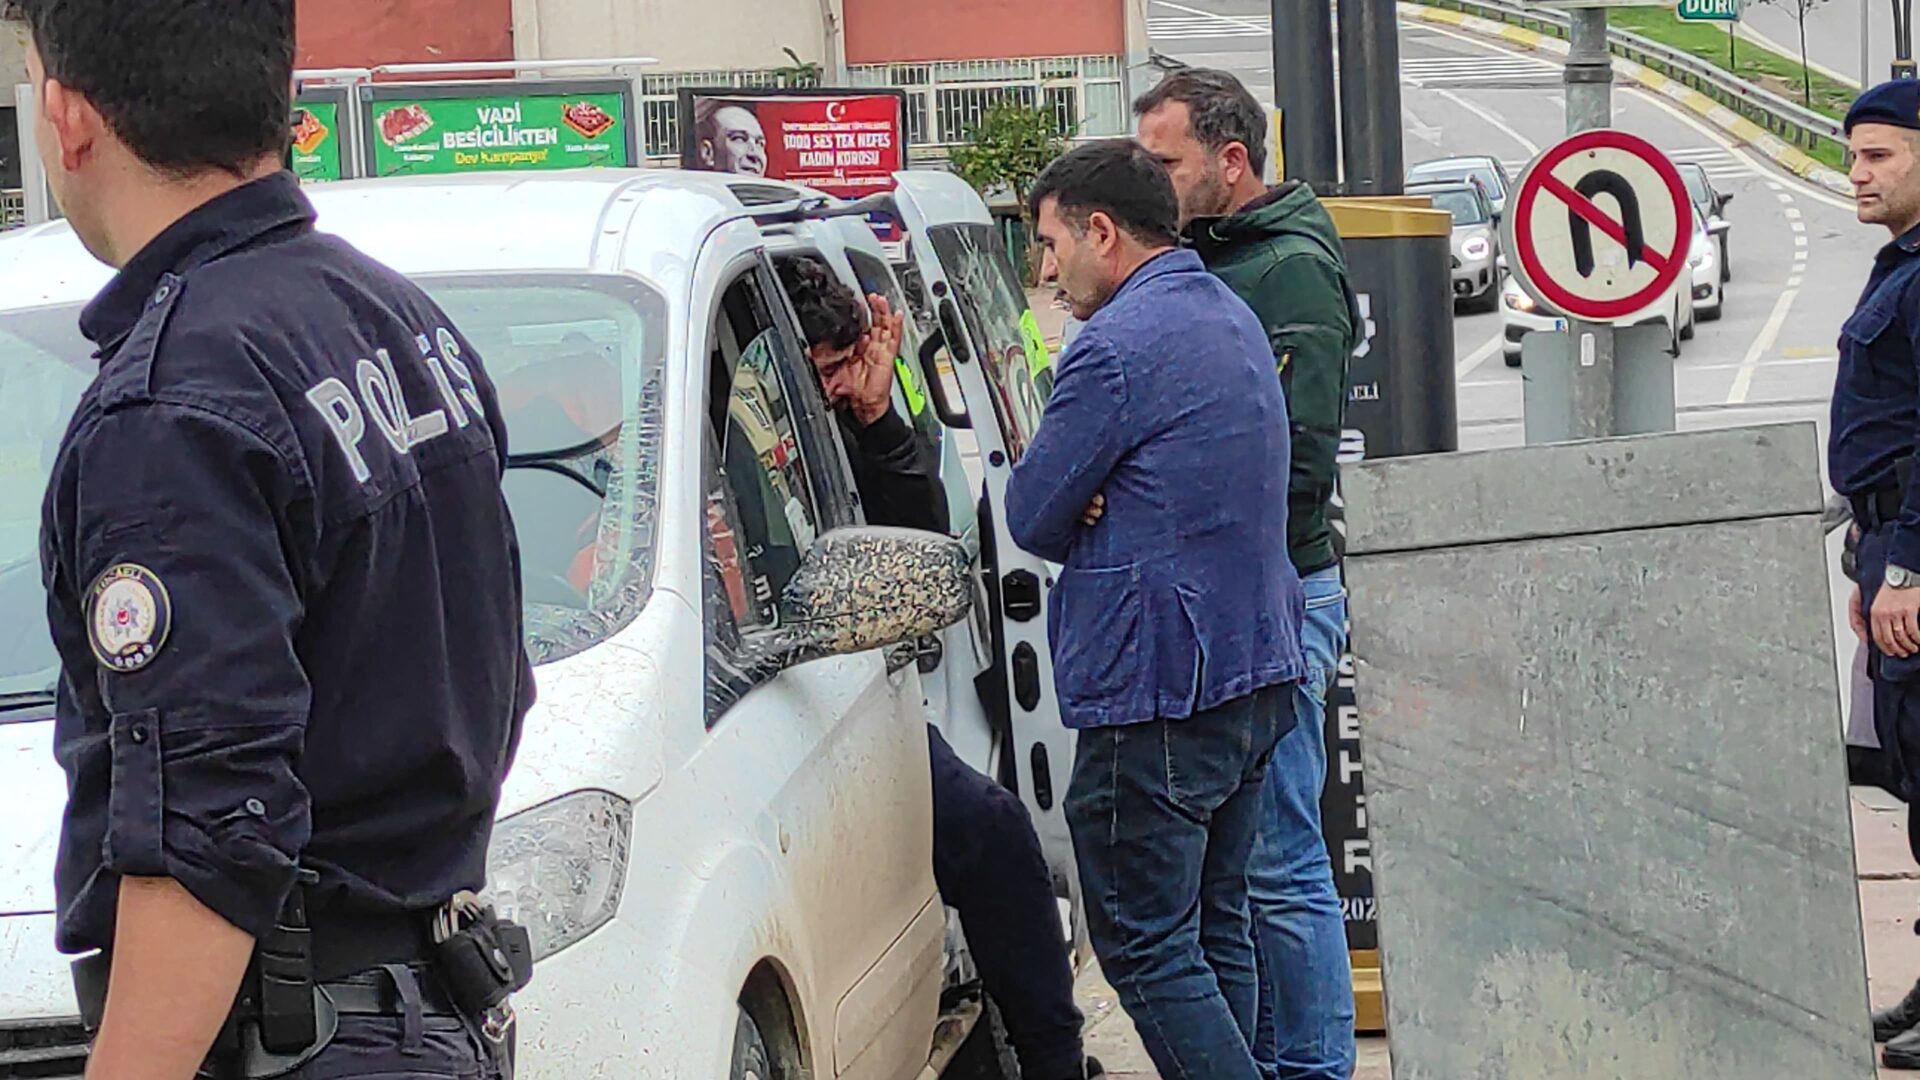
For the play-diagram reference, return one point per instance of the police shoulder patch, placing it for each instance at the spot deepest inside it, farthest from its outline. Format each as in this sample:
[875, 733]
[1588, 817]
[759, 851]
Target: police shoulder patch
[128, 616]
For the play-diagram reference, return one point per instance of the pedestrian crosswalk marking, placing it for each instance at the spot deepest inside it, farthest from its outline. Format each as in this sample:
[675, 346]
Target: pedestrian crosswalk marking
[1720, 164]
[1470, 71]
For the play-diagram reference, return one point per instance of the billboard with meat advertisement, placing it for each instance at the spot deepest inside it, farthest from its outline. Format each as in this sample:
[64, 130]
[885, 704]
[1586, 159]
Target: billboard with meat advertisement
[473, 127]
[847, 143]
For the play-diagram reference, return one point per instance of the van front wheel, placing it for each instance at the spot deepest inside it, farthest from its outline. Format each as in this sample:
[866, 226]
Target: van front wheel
[750, 1058]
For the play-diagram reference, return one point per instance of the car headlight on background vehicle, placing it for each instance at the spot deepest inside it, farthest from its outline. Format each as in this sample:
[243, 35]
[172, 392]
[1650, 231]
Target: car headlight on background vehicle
[558, 868]
[1476, 248]
[1520, 301]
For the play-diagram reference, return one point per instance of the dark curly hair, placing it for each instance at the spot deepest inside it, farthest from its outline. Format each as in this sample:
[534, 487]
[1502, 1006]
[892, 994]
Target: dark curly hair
[830, 313]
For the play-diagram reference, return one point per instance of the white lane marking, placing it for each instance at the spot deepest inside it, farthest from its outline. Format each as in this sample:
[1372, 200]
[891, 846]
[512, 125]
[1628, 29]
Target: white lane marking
[1532, 148]
[1479, 356]
[1244, 23]
[1689, 369]
[1792, 212]
[1475, 68]
[1813, 361]
[1800, 239]
[1743, 381]
[1795, 281]
[1796, 226]
[1800, 187]
[1192, 29]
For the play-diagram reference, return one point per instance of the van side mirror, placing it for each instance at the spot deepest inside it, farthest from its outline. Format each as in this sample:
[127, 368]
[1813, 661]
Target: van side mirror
[859, 589]
[1724, 198]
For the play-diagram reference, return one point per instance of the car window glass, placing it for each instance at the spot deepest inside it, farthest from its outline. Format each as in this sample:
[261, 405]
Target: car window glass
[1465, 206]
[44, 367]
[766, 471]
[994, 307]
[1696, 180]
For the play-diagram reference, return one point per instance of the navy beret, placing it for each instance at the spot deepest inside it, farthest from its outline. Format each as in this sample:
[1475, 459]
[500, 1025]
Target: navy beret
[1896, 103]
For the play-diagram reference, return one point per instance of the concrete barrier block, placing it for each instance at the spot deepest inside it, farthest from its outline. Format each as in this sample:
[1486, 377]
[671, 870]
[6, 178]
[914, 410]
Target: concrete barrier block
[1605, 781]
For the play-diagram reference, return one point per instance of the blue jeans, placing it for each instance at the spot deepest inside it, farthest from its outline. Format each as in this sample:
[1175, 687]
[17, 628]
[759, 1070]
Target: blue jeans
[1305, 1029]
[1163, 817]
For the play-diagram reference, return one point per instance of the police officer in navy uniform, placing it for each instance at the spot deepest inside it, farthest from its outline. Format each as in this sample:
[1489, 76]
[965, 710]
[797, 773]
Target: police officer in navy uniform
[1871, 457]
[283, 583]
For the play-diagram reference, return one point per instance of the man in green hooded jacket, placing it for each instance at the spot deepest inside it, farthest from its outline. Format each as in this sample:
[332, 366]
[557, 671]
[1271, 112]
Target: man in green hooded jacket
[1278, 250]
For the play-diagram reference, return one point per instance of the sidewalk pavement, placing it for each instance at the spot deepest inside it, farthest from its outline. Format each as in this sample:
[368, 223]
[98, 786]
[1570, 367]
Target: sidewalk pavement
[1889, 901]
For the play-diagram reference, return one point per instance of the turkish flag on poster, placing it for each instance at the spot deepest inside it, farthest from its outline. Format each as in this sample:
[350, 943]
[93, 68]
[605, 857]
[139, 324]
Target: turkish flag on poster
[844, 146]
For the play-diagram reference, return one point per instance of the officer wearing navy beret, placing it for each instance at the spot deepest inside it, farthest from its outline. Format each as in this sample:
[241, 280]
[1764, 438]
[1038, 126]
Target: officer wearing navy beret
[1871, 457]
[282, 580]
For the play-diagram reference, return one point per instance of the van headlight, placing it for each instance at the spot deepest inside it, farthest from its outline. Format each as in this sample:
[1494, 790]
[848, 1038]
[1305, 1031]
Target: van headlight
[558, 868]
[1476, 249]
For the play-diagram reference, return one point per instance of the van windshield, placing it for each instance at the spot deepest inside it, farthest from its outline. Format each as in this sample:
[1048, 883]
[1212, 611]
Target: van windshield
[578, 363]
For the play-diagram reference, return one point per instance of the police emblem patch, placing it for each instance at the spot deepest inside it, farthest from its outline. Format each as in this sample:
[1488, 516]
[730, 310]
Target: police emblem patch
[128, 616]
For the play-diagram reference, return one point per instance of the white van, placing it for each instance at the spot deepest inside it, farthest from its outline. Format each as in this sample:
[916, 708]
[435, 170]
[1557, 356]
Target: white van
[723, 853]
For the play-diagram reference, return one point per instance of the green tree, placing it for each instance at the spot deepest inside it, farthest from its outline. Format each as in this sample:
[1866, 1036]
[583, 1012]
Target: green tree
[801, 74]
[1801, 9]
[1007, 149]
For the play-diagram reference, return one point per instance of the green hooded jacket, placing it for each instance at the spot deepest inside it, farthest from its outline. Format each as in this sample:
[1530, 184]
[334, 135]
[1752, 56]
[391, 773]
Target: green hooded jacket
[1282, 255]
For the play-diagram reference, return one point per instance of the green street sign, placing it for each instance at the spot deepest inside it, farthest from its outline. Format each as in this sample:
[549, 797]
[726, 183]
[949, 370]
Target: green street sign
[1709, 10]
[317, 142]
[456, 132]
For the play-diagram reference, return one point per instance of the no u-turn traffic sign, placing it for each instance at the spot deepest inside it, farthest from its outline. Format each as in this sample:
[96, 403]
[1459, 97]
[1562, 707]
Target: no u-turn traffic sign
[1599, 227]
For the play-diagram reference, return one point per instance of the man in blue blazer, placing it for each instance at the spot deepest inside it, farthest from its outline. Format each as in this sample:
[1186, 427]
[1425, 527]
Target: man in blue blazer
[1158, 479]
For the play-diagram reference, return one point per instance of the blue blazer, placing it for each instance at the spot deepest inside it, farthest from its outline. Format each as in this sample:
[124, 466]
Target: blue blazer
[1182, 597]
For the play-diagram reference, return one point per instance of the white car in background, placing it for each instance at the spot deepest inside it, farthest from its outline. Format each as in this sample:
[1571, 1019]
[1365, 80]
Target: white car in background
[718, 828]
[1704, 271]
[1521, 314]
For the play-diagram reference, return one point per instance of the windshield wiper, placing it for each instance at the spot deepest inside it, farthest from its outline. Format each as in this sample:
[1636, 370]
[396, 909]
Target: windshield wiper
[561, 461]
[26, 699]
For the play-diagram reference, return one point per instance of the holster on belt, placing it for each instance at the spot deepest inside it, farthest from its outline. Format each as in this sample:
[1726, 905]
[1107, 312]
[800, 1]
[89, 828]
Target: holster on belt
[279, 1020]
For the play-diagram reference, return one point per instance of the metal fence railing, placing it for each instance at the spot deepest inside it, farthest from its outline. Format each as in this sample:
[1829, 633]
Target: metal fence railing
[1786, 120]
[13, 209]
[1086, 94]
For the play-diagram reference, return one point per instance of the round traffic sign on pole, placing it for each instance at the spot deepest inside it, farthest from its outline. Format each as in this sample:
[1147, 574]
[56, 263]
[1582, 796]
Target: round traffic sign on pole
[1599, 227]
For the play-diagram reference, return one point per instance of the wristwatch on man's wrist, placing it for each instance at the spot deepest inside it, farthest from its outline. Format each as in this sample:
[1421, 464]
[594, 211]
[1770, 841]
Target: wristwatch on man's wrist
[1899, 577]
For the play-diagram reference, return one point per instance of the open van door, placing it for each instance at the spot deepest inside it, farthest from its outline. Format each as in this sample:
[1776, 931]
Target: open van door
[1004, 374]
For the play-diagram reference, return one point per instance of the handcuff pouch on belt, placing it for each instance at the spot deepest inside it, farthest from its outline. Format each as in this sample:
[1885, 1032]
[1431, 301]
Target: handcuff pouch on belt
[481, 959]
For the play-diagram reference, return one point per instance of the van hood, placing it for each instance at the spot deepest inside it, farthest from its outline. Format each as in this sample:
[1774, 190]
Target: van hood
[33, 793]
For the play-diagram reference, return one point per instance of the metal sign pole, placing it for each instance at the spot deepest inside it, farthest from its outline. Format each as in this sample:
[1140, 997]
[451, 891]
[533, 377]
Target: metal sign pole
[1866, 57]
[1303, 90]
[1589, 82]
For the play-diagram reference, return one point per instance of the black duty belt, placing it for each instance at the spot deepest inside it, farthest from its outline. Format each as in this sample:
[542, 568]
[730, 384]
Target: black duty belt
[376, 994]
